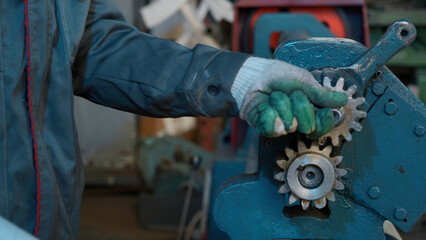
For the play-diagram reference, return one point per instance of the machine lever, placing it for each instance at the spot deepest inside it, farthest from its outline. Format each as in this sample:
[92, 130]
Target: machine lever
[398, 36]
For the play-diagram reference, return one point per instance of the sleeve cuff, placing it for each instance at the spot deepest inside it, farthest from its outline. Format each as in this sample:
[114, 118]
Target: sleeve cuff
[252, 71]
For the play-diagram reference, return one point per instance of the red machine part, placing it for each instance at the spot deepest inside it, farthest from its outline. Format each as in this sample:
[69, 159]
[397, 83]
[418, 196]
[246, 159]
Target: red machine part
[243, 6]
[254, 20]
[326, 15]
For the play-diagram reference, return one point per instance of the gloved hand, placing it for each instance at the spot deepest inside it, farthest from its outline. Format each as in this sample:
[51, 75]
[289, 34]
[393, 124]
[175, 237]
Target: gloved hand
[276, 98]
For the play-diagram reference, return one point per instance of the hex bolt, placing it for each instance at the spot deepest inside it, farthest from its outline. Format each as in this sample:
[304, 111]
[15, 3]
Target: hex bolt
[391, 108]
[400, 214]
[374, 192]
[378, 89]
[419, 131]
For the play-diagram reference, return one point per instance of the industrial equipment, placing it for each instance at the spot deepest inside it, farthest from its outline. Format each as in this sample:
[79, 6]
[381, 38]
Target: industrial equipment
[370, 168]
[164, 163]
[167, 169]
[260, 26]
[409, 64]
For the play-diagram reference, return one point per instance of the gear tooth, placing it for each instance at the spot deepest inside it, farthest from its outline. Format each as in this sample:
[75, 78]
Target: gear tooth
[351, 90]
[284, 188]
[322, 140]
[292, 199]
[330, 196]
[340, 172]
[280, 176]
[327, 150]
[339, 185]
[335, 140]
[301, 147]
[305, 204]
[360, 114]
[337, 160]
[327, 82]
[358, 101]
[314, 146]
[348, 137]
[283, 164]
[355, 126]
[290, 153]
[340, 83]
[320, 203]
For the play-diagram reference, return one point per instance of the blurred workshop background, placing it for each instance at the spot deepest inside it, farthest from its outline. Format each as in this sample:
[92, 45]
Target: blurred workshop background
[152, 178]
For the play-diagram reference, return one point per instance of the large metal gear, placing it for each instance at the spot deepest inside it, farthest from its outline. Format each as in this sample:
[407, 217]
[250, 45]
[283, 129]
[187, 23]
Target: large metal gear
[349, 114]
[310, 174]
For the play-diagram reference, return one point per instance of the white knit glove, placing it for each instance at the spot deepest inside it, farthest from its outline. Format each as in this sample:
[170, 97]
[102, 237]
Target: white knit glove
[276, 97]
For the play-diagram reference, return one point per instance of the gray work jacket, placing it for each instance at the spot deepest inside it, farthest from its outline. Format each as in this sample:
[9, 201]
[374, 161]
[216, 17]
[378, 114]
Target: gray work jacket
[85, 47]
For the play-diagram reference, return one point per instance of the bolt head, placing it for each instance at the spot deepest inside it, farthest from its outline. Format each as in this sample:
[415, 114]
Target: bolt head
[391, 108]
[378, 89]
[419, 131]
[400, 214]
[374, 192]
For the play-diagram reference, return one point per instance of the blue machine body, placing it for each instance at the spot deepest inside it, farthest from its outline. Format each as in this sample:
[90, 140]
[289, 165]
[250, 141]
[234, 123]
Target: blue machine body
[386, 161]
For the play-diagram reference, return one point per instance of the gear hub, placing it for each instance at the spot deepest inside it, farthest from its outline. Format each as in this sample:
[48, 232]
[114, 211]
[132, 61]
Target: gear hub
[310, 175]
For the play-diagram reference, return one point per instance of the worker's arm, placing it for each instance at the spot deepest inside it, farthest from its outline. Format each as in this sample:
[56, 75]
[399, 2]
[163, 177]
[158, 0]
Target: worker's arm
[120, 67]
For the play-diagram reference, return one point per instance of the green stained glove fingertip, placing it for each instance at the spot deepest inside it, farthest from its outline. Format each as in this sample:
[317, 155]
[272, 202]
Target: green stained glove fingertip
[340, 99]
[326, 98]
[266, 121]
[324, 122]
[282, 104]
[303, 111]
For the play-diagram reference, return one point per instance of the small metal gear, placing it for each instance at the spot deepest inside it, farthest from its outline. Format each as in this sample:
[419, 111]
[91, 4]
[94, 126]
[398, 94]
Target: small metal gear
[349, 114]
[310, 175]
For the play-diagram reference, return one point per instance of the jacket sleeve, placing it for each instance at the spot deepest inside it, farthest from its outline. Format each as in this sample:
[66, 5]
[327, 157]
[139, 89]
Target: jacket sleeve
[120, 67]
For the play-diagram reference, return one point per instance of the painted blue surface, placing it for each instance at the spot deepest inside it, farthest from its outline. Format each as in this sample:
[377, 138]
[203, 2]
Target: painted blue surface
[221, 171]
[386, 154]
